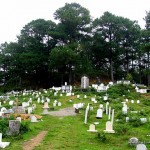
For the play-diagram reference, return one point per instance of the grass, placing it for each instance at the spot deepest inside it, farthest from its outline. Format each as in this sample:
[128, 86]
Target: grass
[70, 133]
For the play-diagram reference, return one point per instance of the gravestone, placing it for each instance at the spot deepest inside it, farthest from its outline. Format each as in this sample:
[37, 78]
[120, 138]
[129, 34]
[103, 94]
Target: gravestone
[18, 110]
[14, 127]
[59, 104]
[141, 147]
[84, 82]
[99, 113]
[86, 114]
[105, 98]
[30, 110]
[3, 144]
[18, 119]
[133, 141]
[92, 128]
[109, 127]
[33, 118]
[107, 103]
[125, 109]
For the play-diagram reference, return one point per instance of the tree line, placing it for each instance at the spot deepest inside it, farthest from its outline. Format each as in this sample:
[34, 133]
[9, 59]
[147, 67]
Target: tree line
[47, 53]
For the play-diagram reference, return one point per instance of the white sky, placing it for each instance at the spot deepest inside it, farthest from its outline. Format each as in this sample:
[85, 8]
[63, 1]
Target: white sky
[15, 14]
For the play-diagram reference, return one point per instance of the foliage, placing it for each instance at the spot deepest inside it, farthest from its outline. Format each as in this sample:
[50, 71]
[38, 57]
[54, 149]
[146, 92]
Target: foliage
[4, 126]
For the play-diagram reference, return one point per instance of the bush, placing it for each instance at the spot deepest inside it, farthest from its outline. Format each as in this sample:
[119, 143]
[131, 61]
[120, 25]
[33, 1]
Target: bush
[121, 128]
[4, 123]
[24, 127]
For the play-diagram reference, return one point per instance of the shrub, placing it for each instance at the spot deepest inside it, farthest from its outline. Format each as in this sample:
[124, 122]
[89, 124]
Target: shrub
[24, 127]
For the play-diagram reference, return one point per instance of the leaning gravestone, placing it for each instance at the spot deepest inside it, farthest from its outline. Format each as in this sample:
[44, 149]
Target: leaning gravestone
[14, 127]
[84, 82]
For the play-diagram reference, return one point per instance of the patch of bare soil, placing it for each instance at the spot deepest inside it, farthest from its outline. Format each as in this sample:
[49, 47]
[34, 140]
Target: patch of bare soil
[70, 111]
[29, 145]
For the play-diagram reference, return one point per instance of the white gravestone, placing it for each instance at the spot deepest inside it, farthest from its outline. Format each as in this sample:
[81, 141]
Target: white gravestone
[109, 127]
[109, 113]
[99, 113]
[33, 118]
[3, 144]
[86, 114]
[92, 128]
[59, 104]
[107, 104]
[125, 109]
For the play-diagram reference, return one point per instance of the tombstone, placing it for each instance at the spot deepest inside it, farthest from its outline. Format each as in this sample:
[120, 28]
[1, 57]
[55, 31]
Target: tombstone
[0, 104]
[84, 82]
[143, 120]
[18, 110]
[91, 108]
[133, 141]
[61, 94]
[109, 127]
[54, 104]
[59, 104]
[14, 127]
[33, 106]
[112, 117]
[99, 114]
[107, 103]
[86, 114]
[141, 147]
[18, 119]
[76, 108]
[132, 101]
[127, 119]
[33, 118]
[85, 96]
[38, 100]
[92, 128]
[68, 94]
[3, 144]
[138, 101]
[109, 114]
[46, 105]
[3, 109]
[78, 96]
[42, 101]
[30, 110]
[93, 99]
[101, 106]
[105, 98]
[24, 104]
[11, 103]
[125, 109]
[47, 99]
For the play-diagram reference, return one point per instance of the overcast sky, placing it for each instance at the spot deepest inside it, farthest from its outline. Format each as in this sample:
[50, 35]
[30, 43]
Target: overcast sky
[15, 14]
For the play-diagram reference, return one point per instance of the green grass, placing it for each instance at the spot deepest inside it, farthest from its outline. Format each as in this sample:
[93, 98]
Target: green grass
[70, 133]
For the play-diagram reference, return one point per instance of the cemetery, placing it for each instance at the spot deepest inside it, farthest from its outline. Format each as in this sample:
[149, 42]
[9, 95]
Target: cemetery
[116, 118]
[76, 82]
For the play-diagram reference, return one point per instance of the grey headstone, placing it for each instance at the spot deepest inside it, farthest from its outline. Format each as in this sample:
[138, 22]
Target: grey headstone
[133, 141]
[84, 82]
[14, 127]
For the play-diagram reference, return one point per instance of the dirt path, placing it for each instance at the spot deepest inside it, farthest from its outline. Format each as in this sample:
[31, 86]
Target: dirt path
[70, 111]
[29, 145]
